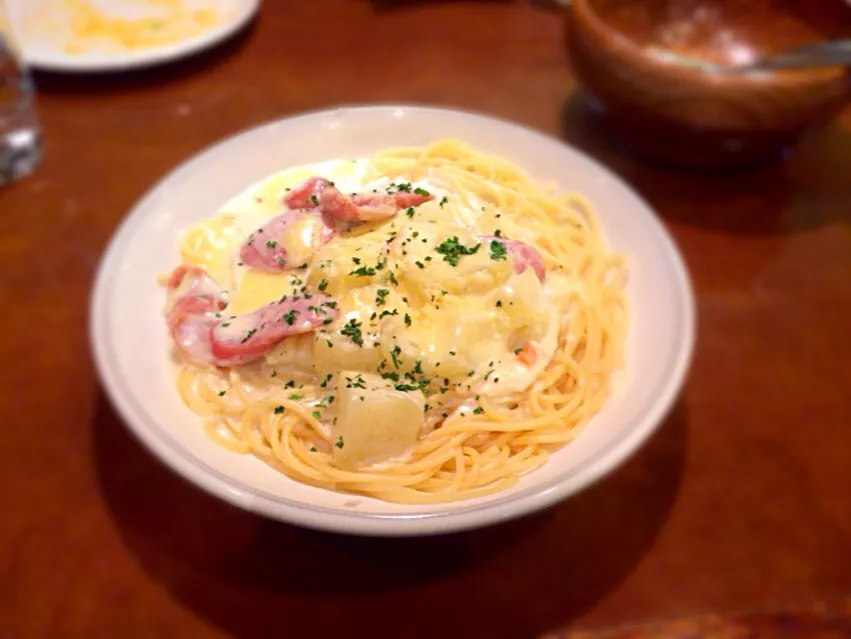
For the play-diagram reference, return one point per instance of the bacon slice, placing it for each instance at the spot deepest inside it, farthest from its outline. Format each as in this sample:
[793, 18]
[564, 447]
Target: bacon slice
[195, 322]
[306, 196]
[367, 207]
[522, 255]
[193, 300]
[264, 248]
[252, 335]
[317, 192]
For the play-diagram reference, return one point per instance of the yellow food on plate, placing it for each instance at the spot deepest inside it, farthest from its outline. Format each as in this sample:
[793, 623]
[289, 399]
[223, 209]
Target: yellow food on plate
[123, 25]
[423, 325]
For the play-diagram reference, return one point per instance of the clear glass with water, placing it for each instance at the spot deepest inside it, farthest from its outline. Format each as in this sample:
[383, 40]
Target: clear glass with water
[20, 133]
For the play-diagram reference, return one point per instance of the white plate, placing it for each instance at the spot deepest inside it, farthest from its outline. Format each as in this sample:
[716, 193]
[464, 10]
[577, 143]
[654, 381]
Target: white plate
[49, 53]
[130, 341]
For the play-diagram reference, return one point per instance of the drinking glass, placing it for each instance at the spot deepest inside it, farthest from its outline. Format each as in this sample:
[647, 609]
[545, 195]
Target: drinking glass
[20, 134]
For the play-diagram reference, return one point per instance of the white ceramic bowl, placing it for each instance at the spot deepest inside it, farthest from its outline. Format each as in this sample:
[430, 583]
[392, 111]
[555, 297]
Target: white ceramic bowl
[130, 341]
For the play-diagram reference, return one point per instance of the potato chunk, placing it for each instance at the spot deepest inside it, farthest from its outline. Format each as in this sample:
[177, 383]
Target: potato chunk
[375, 421]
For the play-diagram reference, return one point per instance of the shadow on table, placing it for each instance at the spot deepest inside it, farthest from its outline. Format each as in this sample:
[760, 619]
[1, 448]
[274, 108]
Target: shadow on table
[250, 575]
[145, 77]
[808, 190]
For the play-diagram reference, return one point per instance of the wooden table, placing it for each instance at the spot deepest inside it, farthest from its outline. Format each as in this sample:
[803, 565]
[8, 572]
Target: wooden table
[742, 502]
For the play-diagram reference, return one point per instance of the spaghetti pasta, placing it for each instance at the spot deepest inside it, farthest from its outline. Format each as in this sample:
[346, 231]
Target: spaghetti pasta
[453, 293]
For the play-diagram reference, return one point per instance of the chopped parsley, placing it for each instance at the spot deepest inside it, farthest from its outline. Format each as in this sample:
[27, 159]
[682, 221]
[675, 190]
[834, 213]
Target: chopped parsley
[394, 354]
[406, 388]
[339, 443]
[407, 320]
[443, 201]
[248, 335]
[290, 316]
[498, 250]
[420, 264]
[352, 331]
[317, 415]
[452, 250]
[386, 313]
[381, 296]
[355, 382]
[325, 380]
[271, 243]
[222, 393]
[295, 396]
[363, 271]
[410, 211]
[421, 191]
[402, 187]
[278, 410]
[314, 199]
[323, 284]
[478, 410]
[392, 278]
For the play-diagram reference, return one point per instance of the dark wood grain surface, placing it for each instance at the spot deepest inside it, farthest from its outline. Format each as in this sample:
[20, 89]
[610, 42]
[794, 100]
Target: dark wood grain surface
[740, 504]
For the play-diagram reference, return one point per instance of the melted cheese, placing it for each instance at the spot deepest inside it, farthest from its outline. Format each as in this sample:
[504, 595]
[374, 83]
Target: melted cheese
[461, 323]
[257, 288]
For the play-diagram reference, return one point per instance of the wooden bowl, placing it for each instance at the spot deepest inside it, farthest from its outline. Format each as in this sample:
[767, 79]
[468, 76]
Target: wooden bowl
[644, 61]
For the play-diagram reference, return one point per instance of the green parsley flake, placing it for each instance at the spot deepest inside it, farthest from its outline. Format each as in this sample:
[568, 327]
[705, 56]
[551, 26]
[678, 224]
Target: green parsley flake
[323, 284]
[352, 331]
[363, 271]
[271, 243]
[498, 250]
[339, 443]
[452, 250]
[355, 382]
[278, 410]
[290, 316]
[381, 296]
[295, 396]
[406, 388]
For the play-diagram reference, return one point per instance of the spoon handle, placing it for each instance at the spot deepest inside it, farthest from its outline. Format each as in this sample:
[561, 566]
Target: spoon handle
[819, 54]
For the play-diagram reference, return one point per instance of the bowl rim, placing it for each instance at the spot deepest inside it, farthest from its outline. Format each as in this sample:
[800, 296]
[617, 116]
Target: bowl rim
[522, 503]
[787, 79]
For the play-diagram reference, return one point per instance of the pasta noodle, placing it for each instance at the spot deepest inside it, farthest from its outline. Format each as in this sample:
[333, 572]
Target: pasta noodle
[475, 438]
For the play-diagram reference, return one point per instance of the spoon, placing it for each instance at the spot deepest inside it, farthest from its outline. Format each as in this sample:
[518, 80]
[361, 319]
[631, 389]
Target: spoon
[809, 56]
